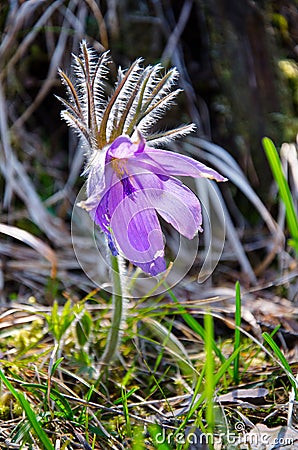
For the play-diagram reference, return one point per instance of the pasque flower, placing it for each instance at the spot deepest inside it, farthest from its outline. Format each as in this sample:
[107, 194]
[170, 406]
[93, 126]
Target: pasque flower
[129, 181]
[135, 184]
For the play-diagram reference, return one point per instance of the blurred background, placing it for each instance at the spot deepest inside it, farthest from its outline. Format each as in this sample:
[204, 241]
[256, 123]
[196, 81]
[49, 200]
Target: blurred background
[239, 71]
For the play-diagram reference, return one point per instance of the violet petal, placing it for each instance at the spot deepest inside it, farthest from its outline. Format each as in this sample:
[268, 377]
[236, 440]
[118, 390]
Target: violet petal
[138, 234]
[175, 164]
[178, 205]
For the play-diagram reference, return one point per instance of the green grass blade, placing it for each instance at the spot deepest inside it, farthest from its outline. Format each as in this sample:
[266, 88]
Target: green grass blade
[55, 365]
[284, 190]
[56, 396]
[237, 332]
[225, 366]
[209, 372]
[43, 438]
[172, 345]
[125, 394]
[216, 378]
[126, 413]
[197, 400]
[278, 353]
[196, 327]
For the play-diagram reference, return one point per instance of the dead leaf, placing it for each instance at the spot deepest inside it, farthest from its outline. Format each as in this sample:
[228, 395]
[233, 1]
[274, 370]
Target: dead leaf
[38, 245]
[238, 396]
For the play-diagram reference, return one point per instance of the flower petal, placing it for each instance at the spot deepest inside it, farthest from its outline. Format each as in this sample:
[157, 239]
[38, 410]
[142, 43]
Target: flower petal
[107, 205]
[100, 193]
[175, 202]
[164, 161]
[122, 148]
[178, 205]
[137, 232]
[154, 267]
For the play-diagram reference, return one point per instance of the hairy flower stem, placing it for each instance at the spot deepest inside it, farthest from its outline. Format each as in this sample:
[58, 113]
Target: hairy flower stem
[118, 313]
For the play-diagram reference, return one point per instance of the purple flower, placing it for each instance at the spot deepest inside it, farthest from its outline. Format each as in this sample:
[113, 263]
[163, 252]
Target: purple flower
[129, 184]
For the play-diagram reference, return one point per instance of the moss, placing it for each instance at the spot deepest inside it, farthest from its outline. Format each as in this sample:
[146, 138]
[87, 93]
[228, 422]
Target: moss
[9, 407]
[26, 338]
[289, 70]
[287, 118]
[280, 23]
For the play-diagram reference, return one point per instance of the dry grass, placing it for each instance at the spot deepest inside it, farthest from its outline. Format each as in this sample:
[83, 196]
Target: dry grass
[40, 166]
